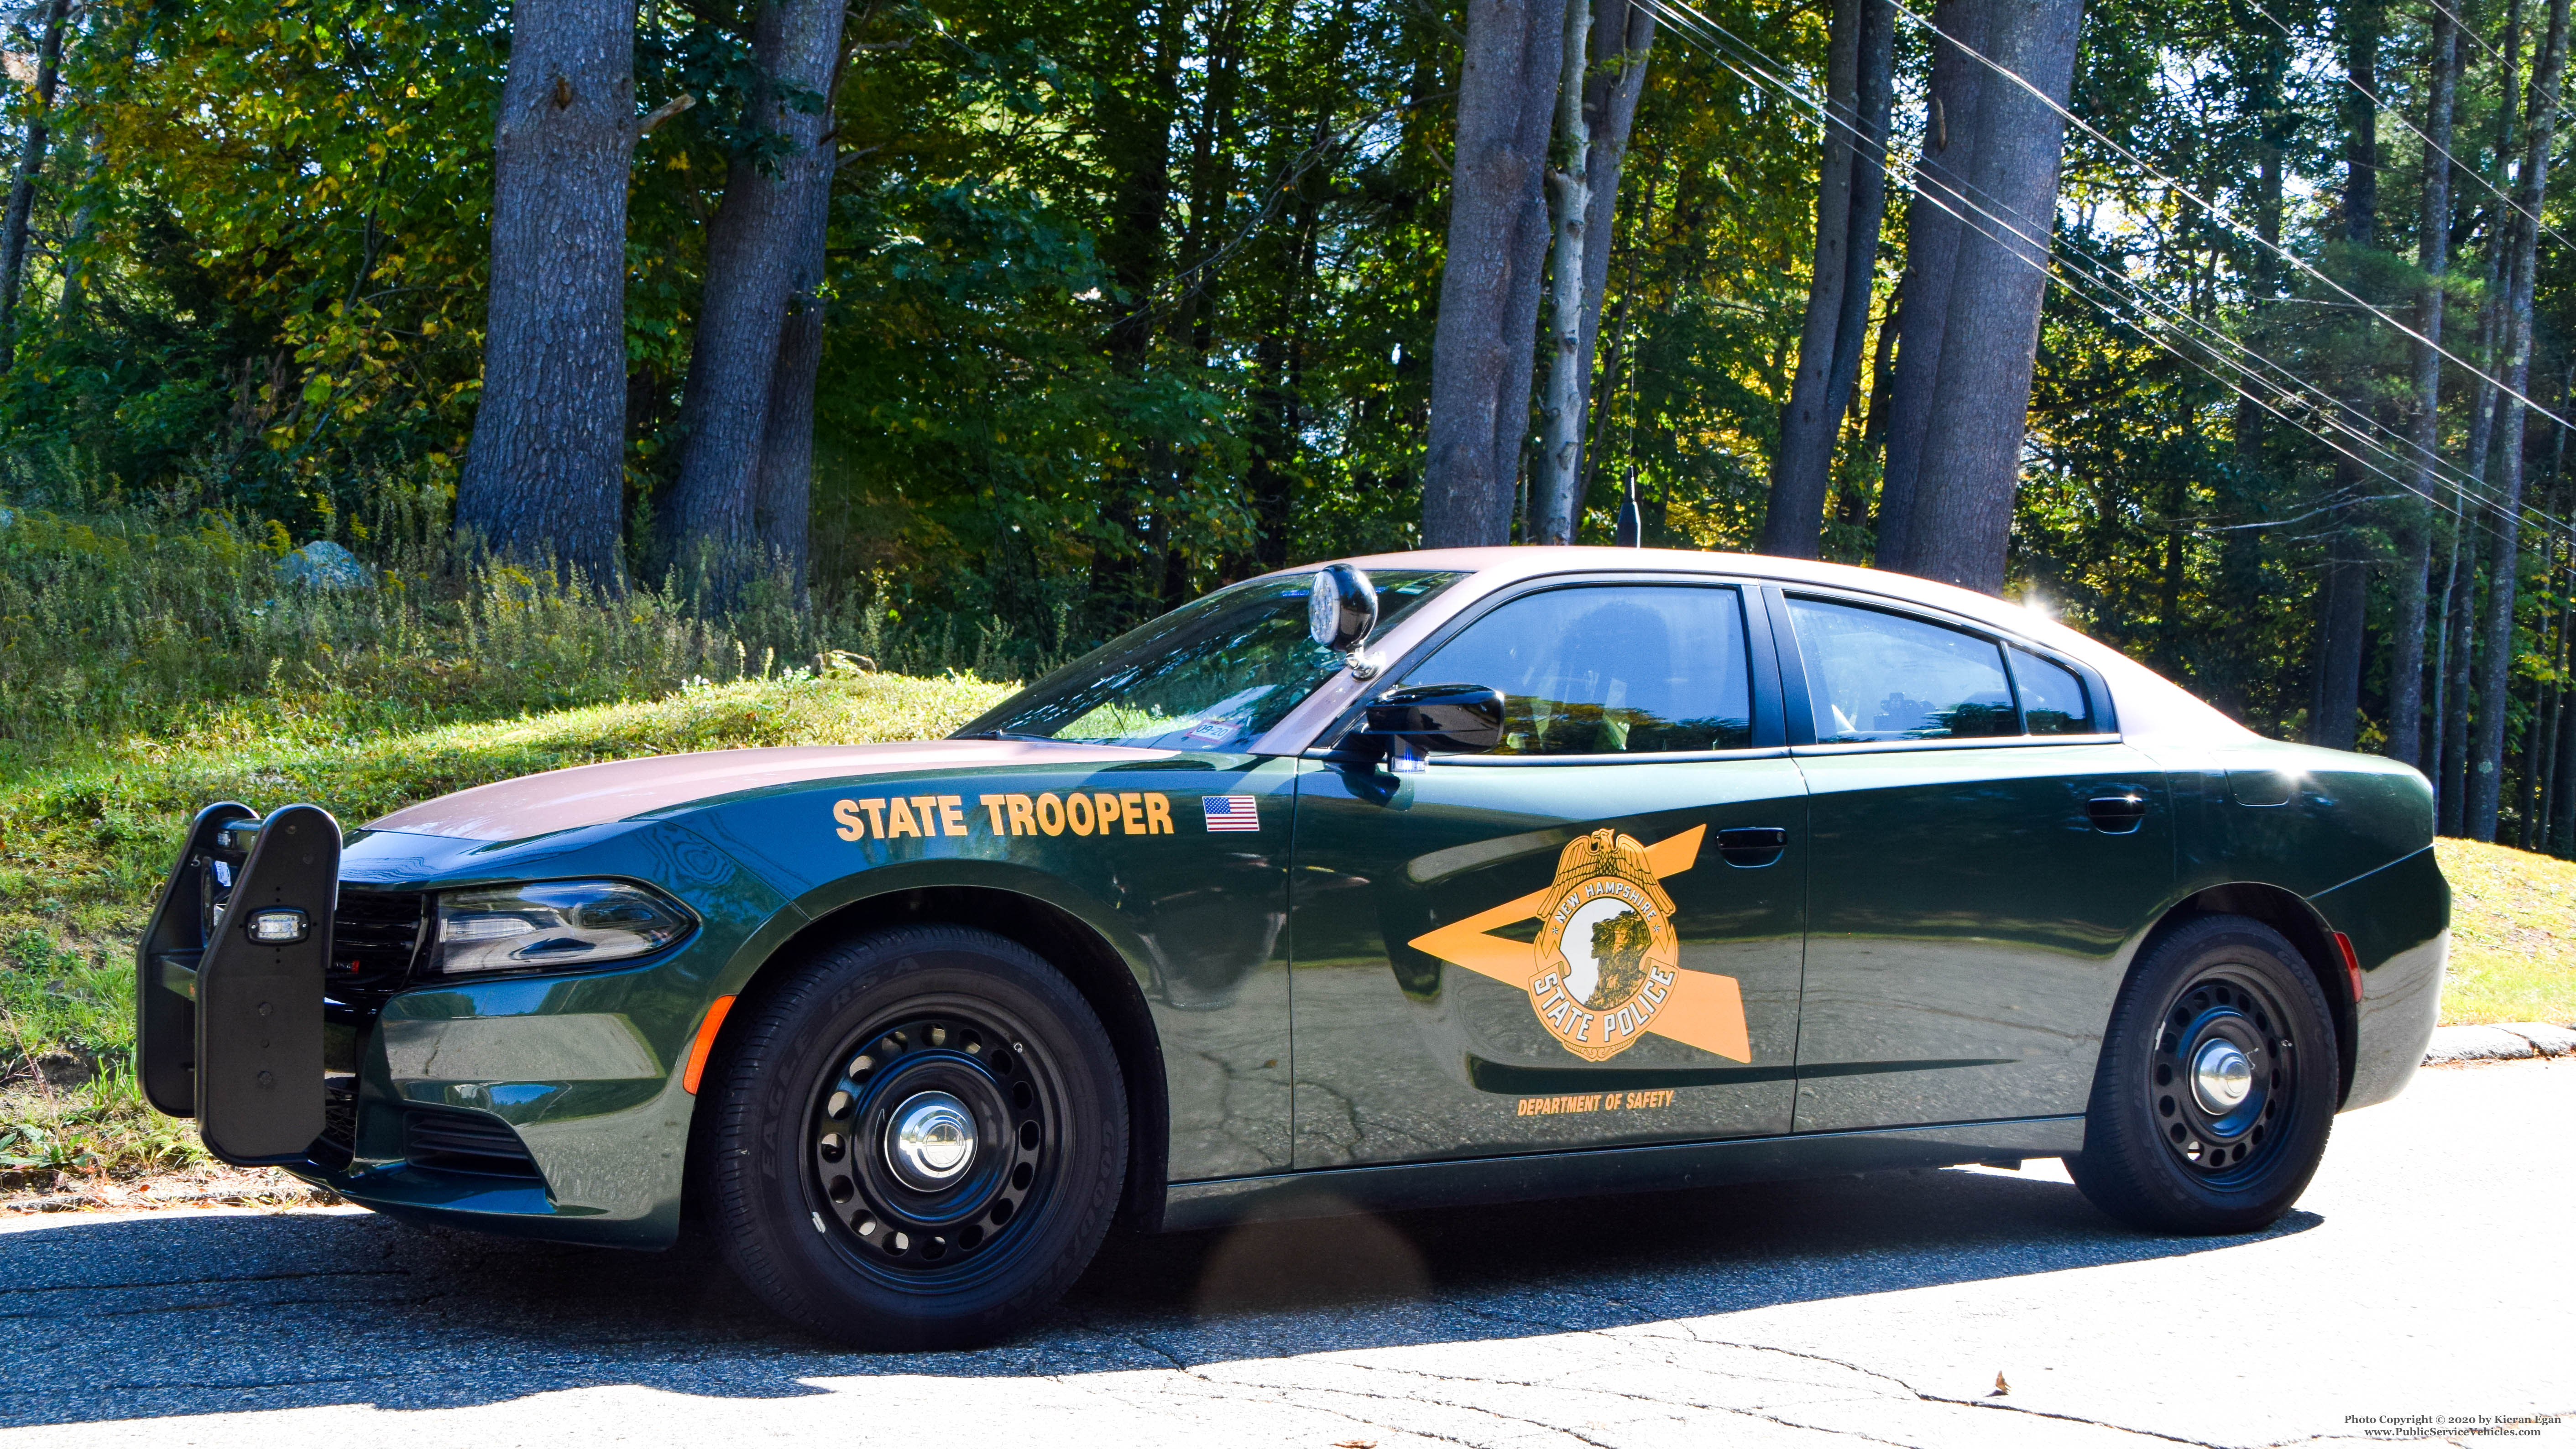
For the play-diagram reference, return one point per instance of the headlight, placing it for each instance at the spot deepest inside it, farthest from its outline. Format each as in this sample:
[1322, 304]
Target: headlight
[553, 926]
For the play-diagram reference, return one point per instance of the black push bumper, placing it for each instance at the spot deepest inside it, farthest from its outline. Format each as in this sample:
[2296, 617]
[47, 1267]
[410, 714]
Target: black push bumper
[229, 981]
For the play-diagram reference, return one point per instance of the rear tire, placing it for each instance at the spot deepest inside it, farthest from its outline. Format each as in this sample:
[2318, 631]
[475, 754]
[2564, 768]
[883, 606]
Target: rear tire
[918, 1140]
[2217, 1085]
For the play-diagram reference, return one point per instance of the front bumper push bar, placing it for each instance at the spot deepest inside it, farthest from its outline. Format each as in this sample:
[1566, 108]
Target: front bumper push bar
[228, 981]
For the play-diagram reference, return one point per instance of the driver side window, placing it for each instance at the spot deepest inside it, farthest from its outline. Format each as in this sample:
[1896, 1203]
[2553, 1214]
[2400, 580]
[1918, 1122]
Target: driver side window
[1609, 670]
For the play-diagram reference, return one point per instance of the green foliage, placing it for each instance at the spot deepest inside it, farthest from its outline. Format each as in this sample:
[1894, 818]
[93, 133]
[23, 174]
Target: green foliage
[125, 626]
[276, 213]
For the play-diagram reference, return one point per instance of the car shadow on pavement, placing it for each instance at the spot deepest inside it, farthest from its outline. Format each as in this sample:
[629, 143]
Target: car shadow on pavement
[195, 1313]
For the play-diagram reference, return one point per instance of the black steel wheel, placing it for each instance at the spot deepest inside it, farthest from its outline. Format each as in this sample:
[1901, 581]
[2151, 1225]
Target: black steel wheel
[2216, 1089]
[919, 1139]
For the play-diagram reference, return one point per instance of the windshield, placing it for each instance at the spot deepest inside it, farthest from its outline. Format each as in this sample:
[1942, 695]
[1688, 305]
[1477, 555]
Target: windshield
[1213, 675]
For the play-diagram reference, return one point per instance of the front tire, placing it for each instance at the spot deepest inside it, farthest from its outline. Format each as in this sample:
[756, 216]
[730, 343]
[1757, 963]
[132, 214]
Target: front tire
[918, 1140]
[2217, 1085]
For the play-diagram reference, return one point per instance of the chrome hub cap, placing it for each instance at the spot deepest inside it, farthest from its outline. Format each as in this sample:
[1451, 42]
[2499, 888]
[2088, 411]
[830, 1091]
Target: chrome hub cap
[931, 1140]
[2221, 1077]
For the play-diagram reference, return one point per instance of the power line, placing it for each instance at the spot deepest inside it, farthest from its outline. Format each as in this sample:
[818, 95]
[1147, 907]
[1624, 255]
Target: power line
[2224, 218]
[2284, 387]
[2400, 117]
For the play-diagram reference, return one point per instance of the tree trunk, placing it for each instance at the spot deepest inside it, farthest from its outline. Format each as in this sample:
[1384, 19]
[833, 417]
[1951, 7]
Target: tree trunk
[2460, 603]
[2343, 602]
[1971, 462]
[2267, 100]
[22, 191]
[2433, 255]
[1481, 358]
[1802, 461]
[2540, 752]
[1623, 31]
[2562, 811]
[1851, 199]
[544, 475]
[1135, 123]
[2496, 669]
[1558, 464]
[782, 491]
[74, 302]
[757, 250]
[2340, 621]
[1933, 225]
[2361, 22]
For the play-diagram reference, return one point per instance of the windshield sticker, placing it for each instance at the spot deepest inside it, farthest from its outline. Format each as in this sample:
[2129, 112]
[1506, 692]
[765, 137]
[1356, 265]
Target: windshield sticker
[1228, 813]
[1078, 812]
[1606, 966]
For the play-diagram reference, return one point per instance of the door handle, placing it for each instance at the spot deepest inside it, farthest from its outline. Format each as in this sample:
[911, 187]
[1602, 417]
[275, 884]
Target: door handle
[2119, 814]
[1752, 846]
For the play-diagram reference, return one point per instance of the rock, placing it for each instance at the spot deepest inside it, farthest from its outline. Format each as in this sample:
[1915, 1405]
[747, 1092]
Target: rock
[66, 1069]
[323, 564]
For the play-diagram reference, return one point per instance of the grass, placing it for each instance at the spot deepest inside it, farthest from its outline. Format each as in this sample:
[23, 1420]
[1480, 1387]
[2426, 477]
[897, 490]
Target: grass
[83, 847]
[2513, 935]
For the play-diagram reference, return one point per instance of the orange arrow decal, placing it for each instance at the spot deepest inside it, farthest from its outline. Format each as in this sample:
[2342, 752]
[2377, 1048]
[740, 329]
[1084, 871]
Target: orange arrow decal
[1700, 1008]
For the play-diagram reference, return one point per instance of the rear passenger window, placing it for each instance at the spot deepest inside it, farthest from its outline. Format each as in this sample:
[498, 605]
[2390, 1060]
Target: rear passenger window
[1881, 676]
[1609, 670]
[2053, 700]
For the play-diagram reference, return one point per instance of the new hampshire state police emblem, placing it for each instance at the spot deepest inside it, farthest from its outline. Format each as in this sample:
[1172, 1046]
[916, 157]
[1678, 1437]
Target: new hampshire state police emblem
[1606, 967]
[1607, 952]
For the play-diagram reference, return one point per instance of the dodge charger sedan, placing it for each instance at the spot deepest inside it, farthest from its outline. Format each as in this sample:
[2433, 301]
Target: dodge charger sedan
[1443, 877]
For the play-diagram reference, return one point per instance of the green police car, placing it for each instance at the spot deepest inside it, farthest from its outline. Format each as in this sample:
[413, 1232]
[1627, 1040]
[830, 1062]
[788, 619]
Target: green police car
[1443, 877]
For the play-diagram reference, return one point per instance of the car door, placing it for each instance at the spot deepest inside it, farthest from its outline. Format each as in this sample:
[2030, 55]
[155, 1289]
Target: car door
[1589, 935]
[1982, 848]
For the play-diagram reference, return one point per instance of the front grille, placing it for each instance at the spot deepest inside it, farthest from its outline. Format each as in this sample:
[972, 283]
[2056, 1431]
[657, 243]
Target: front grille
[375, 937]
[464, 1142]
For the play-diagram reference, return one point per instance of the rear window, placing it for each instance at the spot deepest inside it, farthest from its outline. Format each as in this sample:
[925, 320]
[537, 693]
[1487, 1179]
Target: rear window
[1873, 675]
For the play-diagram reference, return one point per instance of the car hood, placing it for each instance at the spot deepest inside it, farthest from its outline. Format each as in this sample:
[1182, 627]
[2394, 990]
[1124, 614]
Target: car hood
[623, 789]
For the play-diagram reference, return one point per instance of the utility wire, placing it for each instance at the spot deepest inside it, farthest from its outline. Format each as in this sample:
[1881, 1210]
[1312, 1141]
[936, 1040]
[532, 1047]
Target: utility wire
[2221, 215]
[2399, 116]
[2285, 388]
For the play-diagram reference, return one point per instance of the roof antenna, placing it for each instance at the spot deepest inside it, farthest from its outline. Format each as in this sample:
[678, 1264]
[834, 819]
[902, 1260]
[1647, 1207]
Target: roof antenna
[1632, 519]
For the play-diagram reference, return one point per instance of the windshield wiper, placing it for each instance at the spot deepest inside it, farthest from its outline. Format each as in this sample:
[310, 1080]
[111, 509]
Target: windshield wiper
[1006, 735]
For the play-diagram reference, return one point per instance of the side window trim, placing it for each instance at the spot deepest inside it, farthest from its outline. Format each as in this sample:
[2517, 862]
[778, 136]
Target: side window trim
[1769, 736]
[1800, 711]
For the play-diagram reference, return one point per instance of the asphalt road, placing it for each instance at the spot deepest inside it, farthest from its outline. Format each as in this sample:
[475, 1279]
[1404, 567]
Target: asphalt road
[2430, 1271]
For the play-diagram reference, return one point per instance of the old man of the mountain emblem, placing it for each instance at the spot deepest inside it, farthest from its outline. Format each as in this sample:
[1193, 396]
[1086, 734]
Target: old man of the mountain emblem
[1606, 948]
[1606, 967]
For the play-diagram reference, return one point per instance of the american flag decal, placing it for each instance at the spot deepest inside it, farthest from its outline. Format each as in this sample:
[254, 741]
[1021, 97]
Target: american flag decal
[1231, 812]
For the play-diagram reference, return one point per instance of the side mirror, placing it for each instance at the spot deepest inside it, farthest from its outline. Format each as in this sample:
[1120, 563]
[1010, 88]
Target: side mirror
[1458, 718]
[1342, 608]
